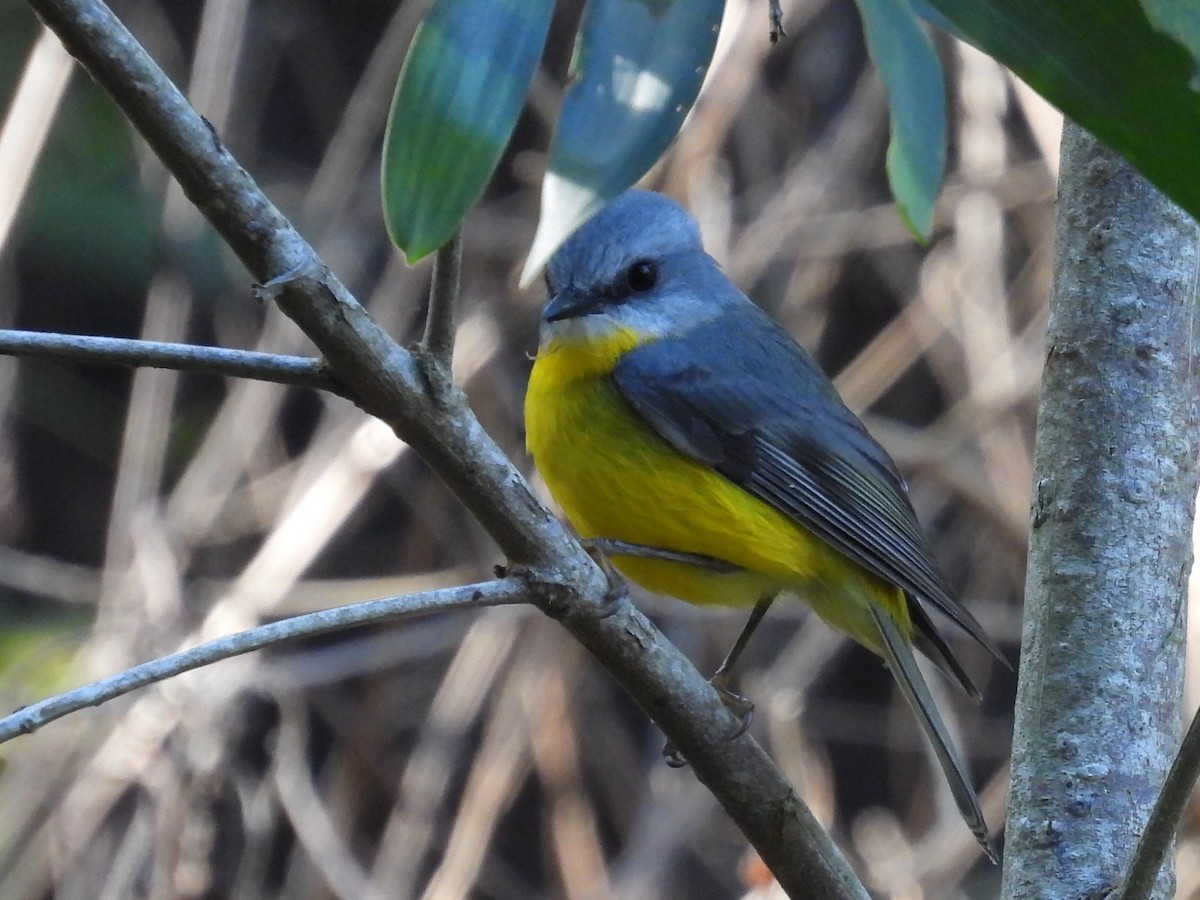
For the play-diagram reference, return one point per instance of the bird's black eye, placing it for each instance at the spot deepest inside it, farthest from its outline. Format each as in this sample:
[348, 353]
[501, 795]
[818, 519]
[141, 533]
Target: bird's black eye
[642, 275]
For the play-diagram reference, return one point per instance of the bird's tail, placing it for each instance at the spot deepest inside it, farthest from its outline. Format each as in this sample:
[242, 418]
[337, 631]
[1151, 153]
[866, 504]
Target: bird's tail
[899, 655]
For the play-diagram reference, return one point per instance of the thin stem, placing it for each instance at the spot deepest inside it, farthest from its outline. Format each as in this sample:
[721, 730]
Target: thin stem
[30, 718]
[438, 342]
[1164, 818]
[298, 371]
[775, 14]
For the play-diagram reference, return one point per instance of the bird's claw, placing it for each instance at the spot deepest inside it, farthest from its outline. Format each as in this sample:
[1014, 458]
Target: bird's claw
[672, 757]
[741, 707]
[618, 587]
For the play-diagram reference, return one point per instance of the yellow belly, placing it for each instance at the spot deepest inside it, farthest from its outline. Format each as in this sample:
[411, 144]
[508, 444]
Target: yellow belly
[615, 478]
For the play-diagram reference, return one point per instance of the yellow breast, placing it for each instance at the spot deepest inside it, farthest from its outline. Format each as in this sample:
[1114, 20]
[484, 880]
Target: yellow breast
[616, 478]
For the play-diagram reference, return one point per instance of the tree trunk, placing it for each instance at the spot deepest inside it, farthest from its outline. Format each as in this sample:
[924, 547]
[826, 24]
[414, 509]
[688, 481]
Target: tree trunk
[1098, 717]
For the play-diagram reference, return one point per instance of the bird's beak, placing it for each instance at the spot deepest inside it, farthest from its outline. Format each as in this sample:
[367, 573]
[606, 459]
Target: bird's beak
[568, 303]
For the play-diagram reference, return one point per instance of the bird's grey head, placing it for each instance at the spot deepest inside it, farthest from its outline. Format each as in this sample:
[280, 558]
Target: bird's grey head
[638, 263]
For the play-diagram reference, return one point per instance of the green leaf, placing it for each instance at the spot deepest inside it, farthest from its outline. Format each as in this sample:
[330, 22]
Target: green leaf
[1109, 69]
[912, 74]
[638, 67]
[1179, 19]
[460, 92]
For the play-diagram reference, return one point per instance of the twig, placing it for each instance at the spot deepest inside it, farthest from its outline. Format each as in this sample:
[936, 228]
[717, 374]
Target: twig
[776, 17]
[1164, 819]
[28, 719]
[438, 343]
[299, 371]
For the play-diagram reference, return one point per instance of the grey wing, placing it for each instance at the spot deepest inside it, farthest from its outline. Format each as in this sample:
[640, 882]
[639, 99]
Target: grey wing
[740, 395]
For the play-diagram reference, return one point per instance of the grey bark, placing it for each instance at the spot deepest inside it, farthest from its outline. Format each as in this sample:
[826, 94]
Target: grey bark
[1098, 716]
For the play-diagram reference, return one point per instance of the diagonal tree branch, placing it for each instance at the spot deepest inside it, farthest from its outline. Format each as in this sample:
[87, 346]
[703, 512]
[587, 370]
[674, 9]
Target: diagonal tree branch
[390, 383]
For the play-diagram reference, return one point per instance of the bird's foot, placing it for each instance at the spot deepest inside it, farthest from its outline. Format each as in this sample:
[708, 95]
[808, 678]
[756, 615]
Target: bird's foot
[618, 587]
[741, 707]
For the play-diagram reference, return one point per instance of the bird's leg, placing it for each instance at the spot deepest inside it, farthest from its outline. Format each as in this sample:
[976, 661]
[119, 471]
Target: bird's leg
[740, 706]
[720, 679]
[618, 587]
[609, 547]
[600, 549]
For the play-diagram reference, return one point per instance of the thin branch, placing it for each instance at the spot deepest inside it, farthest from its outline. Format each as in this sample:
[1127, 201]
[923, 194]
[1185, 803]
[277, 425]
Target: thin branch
[28, 719]
[1164, 819]
[438, 342]
[775, 15]
[298, 371]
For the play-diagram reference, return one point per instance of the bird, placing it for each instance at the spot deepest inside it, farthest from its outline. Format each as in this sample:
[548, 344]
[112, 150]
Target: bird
[680, 428]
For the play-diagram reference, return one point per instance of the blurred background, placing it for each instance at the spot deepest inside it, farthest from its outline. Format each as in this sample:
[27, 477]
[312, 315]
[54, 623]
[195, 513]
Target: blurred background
[478, 755]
